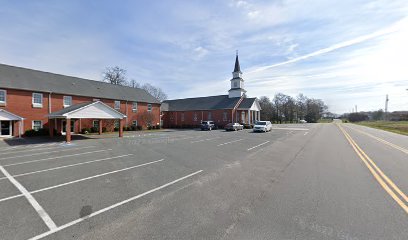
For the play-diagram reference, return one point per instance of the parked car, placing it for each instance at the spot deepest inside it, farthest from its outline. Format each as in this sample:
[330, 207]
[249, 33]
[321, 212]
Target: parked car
[233, 127]
[263, 126]
[207, 125]
[302, 121]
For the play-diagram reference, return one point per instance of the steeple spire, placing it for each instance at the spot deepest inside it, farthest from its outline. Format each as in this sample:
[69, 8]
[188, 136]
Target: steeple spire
[237, 67]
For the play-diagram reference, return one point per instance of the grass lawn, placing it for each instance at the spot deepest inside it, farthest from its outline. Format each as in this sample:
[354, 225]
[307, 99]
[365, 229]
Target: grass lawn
[325, 120]
[396, 127]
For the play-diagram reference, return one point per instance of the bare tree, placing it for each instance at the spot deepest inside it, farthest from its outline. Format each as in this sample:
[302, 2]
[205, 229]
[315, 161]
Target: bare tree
[115, 75]
[133, 83]
[148, 118]
[155, 91]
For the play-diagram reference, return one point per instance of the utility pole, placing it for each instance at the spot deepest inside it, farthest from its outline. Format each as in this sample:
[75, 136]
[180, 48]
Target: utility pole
[386, 107]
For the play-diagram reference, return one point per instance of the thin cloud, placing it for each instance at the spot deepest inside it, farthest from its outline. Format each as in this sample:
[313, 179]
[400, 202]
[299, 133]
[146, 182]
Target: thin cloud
[393, 28]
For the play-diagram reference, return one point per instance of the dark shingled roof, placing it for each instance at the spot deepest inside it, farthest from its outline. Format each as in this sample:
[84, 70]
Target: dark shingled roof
[33, 80]
[247, 103]
[69, 109]
[202, 103]
[206, 103]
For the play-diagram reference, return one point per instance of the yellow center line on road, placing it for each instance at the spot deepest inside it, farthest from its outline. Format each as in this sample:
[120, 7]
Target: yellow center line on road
[404, 150]
[378, 174]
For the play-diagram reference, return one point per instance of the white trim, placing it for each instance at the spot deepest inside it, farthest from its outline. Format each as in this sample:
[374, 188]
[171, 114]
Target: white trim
[115, 103]
[133, 106]
[37, 105]
[149, 105]
[17, 118]
[32, 124]
[63, 101]
[5, 96]
[10, 128]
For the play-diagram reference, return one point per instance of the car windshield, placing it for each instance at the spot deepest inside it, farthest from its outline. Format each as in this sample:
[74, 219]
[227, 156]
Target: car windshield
[261, 123]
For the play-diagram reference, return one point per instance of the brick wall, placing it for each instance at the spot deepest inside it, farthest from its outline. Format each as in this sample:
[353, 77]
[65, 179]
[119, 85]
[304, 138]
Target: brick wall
[19, 102]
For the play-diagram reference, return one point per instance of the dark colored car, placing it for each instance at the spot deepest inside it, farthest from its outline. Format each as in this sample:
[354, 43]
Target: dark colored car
[233, 127]
[207, 125]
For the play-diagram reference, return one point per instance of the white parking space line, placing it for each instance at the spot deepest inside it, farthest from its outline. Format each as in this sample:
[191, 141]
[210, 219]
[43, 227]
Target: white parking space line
[28, 150]
[249, 149]
[112, 207]
[222, 144]
[42, 153]
[81, 180]
[208, 139]
[52, 158]
[305, 133]
[26, 146]
[292, 129]
[66, 166]
[41, 212]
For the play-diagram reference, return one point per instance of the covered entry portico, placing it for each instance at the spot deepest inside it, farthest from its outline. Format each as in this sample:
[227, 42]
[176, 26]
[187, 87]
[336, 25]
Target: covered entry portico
[10, 124]
[89, 110]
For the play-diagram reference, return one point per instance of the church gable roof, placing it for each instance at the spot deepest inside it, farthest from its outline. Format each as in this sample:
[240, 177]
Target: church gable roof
[201, 103]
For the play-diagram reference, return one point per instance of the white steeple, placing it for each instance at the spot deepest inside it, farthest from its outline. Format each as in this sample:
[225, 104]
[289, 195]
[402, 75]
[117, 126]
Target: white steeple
[237, 83]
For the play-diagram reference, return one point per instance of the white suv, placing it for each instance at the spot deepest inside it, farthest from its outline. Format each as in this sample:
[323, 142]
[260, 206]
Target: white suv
[263, 126]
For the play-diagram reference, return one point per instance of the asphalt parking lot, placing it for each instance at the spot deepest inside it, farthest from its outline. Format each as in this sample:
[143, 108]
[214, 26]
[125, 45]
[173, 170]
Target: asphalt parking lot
[50, 190]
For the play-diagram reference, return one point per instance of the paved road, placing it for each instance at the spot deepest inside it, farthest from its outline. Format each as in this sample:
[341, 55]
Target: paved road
[309, 181]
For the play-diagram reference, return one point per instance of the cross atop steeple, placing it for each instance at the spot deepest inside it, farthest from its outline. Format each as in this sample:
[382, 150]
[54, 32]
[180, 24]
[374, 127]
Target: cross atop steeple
[237, 83]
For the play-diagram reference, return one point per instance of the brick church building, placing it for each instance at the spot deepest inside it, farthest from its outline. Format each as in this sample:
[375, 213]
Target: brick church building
[222, 109]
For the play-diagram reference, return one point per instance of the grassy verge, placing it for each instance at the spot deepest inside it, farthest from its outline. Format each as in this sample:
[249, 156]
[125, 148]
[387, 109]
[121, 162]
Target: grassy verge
[325, 120]
[396, 127]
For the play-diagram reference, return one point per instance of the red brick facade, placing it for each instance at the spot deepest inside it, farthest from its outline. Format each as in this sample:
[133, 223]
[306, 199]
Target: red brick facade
[188, 119]
[19, 102]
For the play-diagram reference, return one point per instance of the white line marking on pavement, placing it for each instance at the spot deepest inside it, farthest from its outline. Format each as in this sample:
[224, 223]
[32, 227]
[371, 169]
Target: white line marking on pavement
[208, 139]
[112, 207]
[42, 153]
[51, 158]
[293, 129]
[81, 180]
[25, 146]
[229, 142]
[71, 165]
[249, 149]
[41, 212]
[29, 150]
[305, 133]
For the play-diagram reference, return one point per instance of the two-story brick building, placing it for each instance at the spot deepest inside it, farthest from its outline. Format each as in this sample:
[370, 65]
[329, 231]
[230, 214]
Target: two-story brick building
[222, 109]
[31, 99]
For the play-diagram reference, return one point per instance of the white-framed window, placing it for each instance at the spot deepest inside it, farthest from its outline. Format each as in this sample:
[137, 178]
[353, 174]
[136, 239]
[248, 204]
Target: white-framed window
[134, 107]
[117, 105]
[3, 96]
[134, 123]
[149, 107]
[67, 101]
[195, 117]
[37, 99]
[182, 117]
[209, 116]
[116, 124]
[96, 99]
[224, 116]
[95, 124]
[235, 84]
[36, 125]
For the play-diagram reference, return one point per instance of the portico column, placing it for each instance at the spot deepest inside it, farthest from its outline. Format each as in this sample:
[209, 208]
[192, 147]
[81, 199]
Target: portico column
[51, 127]
[249, 116]
[100, 126]
[120, 127]
[68, 130]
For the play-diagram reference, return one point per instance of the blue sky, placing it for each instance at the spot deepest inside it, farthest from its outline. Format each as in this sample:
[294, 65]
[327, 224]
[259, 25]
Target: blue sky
[349, 52]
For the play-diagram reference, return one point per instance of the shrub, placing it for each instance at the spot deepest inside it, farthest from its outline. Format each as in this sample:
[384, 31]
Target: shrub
[40, 132]
[115, 129]
[149, 127]
[85, 130]
[94, 130]
[139, 128]
[104, 129]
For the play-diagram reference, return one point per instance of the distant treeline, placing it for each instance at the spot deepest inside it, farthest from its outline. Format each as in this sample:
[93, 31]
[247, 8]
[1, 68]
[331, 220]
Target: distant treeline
[376, 116]
[286, 109]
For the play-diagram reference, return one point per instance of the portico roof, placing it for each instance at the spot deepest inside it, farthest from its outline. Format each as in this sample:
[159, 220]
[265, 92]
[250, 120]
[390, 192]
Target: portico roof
[8, 116]
[90, 110]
